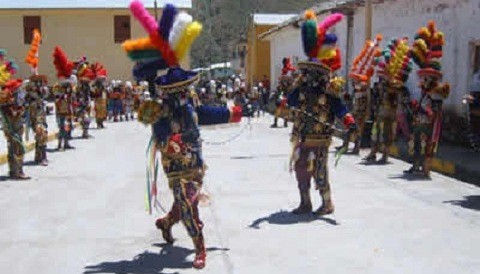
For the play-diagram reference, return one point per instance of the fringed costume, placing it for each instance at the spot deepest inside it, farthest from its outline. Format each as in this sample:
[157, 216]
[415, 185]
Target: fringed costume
[37, 92]
[316, 105]
[173, 119]
[361, 71]
[12, 108]
[393, 72]
[283, 89]
[63, 92]
[427, 112]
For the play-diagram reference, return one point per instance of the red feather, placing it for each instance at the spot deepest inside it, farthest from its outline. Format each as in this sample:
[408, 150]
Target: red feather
[62, 65]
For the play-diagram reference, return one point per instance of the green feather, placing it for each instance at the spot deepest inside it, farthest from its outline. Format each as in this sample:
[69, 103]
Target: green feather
[309, 37]
[143, 54]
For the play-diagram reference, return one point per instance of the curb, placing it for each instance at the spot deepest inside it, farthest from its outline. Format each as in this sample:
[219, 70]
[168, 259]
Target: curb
[438, 164]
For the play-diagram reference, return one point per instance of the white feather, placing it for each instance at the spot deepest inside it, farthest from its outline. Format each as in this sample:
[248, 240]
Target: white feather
[181, 22]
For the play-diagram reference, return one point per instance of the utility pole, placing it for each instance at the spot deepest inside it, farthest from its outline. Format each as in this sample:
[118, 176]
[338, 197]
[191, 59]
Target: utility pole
[368, 19]
[156, 9]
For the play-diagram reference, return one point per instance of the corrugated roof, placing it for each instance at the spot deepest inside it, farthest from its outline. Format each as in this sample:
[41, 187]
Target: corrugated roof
[85, 4]
[270, 19]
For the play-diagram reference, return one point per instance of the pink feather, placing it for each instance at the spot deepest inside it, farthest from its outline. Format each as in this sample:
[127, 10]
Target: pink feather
[330, 21]
[143, 16]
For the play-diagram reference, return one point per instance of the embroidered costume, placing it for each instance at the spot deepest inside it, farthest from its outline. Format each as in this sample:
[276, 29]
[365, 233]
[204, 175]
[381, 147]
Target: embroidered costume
[173, 119]
[315, 106]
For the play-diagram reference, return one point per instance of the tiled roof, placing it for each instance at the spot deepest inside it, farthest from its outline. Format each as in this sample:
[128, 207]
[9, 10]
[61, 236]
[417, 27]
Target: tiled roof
[85, 4]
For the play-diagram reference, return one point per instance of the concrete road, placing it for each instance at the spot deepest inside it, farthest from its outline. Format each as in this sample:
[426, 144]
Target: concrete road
[85, 213]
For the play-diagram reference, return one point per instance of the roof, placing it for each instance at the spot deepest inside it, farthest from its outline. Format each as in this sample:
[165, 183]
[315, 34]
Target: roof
[86, 4]
[321, 8]
[270, 19]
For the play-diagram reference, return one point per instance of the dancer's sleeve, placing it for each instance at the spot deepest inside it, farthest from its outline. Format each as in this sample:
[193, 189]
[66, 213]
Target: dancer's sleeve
[211, 115]
[341, 112]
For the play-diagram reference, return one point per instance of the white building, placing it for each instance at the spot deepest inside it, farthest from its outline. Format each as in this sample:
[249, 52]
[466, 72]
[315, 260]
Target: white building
[459, 20]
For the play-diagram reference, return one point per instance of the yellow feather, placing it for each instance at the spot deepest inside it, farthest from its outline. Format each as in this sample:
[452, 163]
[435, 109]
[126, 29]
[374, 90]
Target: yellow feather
[186, 40]
[327, 53]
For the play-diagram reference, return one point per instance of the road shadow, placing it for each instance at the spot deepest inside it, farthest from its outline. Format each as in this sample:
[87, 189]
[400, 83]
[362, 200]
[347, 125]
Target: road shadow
[287, 218]
[410, 177]
[169, 257]
[469, 202]
[30, 163]
[4, 178]
[374, 163]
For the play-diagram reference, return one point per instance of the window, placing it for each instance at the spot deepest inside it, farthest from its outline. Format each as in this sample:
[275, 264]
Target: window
[122, 28]
[29, 24]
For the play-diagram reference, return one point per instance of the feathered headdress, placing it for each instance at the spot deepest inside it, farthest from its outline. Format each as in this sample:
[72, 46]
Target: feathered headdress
[288, 68]
[7, 69]
[62, 65]
[318, 44]
[363, 66]
[32, 57]
[427, 50]
[168, 41]
[396, 65]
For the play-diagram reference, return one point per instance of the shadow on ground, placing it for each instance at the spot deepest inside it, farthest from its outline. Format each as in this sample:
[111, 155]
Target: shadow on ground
[410, 177]
[470, 202]
[287, 218]
[170, 257]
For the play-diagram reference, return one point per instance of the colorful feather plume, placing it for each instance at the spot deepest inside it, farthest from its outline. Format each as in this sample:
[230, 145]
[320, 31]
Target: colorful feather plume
[397, 64]
[318, 43]
[8, 68]
[168, 42]
[62, 65]
[32, 57]
[427, 49]
[310, 34]
[189, 35]
[363, 66]
[167, 20]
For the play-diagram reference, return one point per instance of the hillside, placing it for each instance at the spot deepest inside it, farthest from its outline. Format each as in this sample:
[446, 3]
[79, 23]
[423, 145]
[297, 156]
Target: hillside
[225, 23]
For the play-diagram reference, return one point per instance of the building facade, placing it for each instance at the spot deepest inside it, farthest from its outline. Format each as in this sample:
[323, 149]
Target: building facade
[95, 29]
[258, 50]
[457, 19]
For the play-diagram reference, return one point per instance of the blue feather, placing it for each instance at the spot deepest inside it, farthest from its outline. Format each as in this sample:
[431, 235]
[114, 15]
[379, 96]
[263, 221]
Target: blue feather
[166, 22]
[330, 39]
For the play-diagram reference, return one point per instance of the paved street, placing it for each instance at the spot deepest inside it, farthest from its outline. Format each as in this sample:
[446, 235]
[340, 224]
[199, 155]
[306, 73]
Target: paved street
[84, 213]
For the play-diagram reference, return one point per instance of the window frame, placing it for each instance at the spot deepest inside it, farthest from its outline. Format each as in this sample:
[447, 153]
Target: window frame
[118, 35]
[28, 34]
